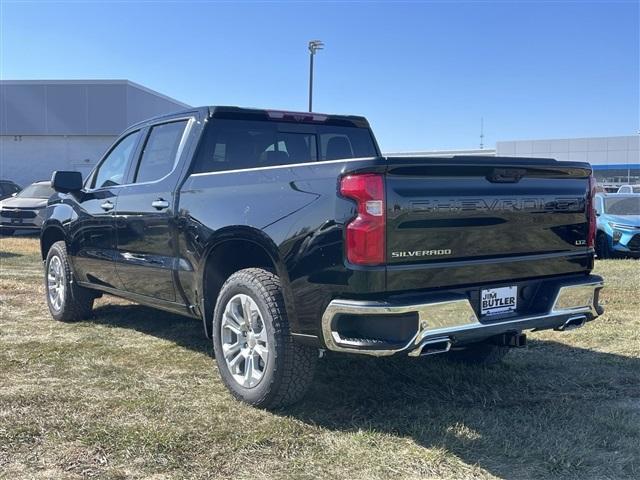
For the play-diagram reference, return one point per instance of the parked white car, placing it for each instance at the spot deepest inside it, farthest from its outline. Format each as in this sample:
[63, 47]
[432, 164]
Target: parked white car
[22, 211]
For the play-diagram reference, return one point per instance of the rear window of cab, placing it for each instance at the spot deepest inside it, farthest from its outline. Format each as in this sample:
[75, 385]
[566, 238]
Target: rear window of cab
[242, 144]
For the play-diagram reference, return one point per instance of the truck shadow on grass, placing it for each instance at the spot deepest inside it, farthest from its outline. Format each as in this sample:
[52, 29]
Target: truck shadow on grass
[182, 331]
[4, 255]
[550, 410]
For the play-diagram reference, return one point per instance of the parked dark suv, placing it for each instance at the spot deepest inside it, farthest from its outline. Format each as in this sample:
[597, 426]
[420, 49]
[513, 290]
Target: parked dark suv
[289, 233]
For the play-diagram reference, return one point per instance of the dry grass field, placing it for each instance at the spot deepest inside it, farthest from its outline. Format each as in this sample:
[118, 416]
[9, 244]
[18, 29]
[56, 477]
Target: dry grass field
[133, 393]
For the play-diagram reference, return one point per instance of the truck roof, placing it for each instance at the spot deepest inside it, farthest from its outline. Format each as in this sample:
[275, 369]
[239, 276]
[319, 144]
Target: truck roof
[239, 113]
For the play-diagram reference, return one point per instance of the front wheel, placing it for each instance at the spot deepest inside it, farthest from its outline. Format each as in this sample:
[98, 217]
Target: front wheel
[257, 358]
[67, 301]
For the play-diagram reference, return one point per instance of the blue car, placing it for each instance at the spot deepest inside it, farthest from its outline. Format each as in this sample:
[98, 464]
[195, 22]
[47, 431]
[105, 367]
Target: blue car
[618, 232]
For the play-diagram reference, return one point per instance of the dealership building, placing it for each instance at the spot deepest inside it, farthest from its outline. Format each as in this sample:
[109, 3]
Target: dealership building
[48, 125]
[615, 160]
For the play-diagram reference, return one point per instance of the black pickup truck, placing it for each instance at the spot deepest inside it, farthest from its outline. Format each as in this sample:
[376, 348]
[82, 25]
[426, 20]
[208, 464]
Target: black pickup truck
[288, 234]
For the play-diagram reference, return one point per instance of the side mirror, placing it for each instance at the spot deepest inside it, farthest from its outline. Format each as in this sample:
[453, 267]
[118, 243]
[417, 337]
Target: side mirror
[66, 182]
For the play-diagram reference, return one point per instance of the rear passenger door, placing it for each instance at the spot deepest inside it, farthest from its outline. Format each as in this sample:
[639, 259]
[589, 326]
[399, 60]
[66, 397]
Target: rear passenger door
[145, 216]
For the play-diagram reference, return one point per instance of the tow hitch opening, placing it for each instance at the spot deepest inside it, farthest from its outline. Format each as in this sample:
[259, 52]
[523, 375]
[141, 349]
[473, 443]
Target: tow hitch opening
[513, 339]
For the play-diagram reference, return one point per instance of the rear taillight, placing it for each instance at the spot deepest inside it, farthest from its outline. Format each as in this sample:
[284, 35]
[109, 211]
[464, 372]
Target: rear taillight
[365, 234]
[591, 212]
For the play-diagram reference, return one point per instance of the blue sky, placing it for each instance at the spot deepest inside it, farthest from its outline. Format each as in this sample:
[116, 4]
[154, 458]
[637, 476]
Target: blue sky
[424, 73]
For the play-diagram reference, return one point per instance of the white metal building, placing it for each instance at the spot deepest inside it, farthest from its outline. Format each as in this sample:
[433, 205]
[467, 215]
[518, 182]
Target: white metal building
[615, 160]
[48, 125]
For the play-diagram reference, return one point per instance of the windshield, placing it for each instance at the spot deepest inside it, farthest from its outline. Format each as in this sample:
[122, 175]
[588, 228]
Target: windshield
[622, 206]
[36, 190]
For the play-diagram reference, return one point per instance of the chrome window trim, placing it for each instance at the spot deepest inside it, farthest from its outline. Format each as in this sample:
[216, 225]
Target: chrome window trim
[183, 141]
[290, 165]
[191, 120]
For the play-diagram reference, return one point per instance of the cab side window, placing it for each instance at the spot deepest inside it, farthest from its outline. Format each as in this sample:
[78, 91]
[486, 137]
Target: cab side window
[113, 168]
[160, 151]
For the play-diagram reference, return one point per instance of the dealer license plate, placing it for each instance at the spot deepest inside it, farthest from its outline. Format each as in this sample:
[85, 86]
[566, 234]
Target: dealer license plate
[498, 300]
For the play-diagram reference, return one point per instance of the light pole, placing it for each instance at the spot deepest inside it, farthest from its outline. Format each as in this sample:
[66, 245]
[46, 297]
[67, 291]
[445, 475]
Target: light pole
[314, 46]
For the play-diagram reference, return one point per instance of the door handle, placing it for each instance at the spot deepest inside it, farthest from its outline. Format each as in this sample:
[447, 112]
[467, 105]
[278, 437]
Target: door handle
[160, 204]
[106, 206]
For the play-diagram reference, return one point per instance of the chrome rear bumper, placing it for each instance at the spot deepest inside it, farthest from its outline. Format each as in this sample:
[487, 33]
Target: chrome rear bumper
[450, 321]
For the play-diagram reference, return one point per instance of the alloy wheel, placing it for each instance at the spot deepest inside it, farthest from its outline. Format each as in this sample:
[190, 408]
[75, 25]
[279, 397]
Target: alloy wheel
[55, 282]
[244, 340]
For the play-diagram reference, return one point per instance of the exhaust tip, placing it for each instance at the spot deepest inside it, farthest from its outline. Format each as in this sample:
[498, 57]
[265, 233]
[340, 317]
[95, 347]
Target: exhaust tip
[432, 347]
[572, 323]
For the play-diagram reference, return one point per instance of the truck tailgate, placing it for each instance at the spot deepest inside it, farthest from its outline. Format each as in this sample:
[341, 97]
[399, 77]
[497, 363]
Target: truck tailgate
[465, 220]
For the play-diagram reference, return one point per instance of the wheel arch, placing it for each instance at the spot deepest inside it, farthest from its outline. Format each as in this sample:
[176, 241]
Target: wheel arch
[51, 233]
[233, 249]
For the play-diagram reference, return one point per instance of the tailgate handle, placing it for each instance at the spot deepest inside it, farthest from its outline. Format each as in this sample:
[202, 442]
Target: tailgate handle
[506, 175]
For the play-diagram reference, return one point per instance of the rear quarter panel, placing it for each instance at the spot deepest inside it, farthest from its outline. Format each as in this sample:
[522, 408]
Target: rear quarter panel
[295, 212]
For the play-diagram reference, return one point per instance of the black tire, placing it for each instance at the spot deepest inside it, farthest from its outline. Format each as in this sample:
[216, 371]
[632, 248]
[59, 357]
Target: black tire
[7, 232]
[602, 247]
[479, 354]
[290, 367]
[76, 303]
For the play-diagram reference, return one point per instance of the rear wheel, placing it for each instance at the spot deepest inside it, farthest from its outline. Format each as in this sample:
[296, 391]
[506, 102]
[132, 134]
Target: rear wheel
[257, 358]
[479, 354]
[67, 301]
